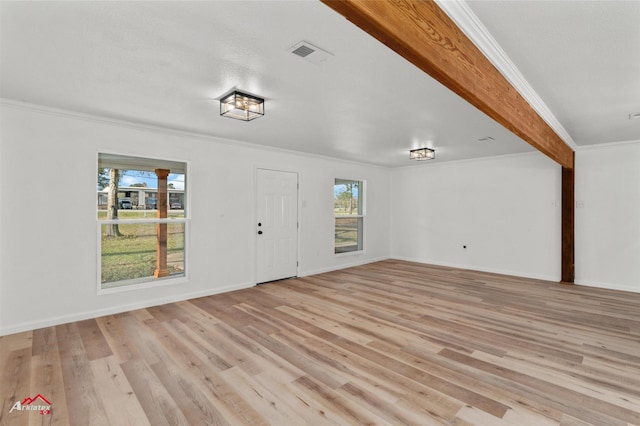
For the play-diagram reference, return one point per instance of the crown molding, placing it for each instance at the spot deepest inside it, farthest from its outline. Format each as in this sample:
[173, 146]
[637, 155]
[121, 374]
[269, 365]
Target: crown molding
[470, 24]
[608, 145]
[511, 156]
[139, 126]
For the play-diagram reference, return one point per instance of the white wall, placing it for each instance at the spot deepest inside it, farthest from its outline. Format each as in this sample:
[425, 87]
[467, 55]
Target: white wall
[48, 259]
[506, 210]
[608, 216]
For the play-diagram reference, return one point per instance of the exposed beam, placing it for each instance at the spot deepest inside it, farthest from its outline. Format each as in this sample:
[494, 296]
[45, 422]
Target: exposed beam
[423, 34]
[568, 226]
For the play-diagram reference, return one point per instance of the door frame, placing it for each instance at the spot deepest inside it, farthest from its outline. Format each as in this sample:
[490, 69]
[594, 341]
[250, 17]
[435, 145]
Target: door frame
[255, 216]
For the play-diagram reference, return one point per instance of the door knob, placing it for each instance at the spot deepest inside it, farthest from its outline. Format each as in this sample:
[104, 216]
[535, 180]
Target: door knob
[259, 232]
[259, 223]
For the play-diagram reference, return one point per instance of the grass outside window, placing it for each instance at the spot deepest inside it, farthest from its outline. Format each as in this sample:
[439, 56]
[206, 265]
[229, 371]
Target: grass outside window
[133, 255]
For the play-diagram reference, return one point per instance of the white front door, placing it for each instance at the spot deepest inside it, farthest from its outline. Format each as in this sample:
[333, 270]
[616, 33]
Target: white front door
[277, 225]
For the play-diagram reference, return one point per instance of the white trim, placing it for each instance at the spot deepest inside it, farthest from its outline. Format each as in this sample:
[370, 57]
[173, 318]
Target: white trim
[10, 103]
[350, 253]
[477, 160]
[473, 28]
[597, 284]
[343, 266]
[143, 283]
[518, 274]
[96, 313]
[608, 145]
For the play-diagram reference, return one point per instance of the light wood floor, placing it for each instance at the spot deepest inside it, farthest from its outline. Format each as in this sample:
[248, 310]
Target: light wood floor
[387, 343]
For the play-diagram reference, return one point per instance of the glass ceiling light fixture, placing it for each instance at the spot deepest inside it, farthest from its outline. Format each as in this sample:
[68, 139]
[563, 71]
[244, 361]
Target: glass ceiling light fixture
[421, 154]
[241, 106]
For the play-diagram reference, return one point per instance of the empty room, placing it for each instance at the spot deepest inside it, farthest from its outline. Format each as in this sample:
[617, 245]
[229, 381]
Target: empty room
[320, 212]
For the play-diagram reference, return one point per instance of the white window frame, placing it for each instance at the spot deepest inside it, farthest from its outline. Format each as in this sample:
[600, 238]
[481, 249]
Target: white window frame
[362, 213]
[143, 283]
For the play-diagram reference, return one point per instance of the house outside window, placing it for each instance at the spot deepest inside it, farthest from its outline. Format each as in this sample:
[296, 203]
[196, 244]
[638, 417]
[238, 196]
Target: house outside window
[349, 214]
[141, 221]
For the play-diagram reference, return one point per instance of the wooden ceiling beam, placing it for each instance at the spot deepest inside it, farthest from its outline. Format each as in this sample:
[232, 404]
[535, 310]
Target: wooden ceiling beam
[424, 35]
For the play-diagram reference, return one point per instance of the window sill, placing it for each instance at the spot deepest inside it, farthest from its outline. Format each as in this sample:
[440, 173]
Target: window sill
[349, 253]
[141, 284]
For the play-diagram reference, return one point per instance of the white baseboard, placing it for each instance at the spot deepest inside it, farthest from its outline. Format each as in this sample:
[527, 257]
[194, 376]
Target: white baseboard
[481, 269]
[343, 266]
[48, 322]
[608, 286]
[34, 325]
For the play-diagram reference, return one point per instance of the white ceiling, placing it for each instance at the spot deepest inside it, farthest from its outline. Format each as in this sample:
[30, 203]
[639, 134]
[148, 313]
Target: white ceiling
[167, 64]
[581, 57]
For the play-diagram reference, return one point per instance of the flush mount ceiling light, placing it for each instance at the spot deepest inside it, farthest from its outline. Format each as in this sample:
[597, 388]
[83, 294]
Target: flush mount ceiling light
[421, 154]
[241, 106]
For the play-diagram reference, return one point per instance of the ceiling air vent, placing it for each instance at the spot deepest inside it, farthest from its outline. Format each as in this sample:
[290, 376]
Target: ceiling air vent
[310, 52]
[303, 51]
[486, 139]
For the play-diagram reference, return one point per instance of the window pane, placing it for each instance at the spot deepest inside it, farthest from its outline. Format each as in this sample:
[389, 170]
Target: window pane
[346, 197]
[348, 235]
[129, 252]
[132, 189]
[348, 211]
[130, 183]
[133, 193]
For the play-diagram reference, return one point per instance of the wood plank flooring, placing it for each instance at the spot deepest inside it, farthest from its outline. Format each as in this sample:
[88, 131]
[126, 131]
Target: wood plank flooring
[391, 342]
